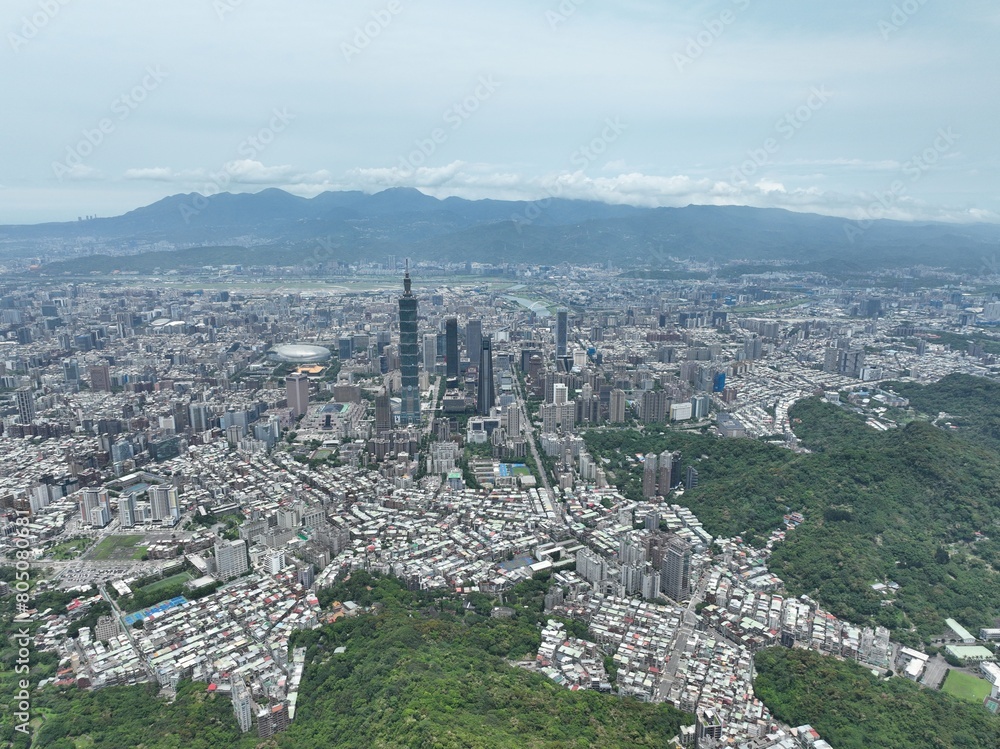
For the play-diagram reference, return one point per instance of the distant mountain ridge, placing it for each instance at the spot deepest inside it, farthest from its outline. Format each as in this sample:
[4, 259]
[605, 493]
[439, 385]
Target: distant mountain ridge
[404, 221]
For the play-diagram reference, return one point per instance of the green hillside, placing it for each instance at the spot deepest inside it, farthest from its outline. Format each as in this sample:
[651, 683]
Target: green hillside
[853, 709]
[424, 681]
[902, 505]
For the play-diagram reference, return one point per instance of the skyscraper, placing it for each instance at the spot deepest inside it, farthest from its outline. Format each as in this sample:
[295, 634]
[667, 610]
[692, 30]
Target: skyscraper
[616, 406]
[430, 352]
[474, 339]
[409, 355]
[562, 331]
[297, 392]
[451, 349]
[383, 412]
[649, 476]
[485, 393]
[675, 578]
[25, 405]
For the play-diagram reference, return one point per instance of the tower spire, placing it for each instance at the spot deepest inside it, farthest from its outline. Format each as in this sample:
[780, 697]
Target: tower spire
[406, 280]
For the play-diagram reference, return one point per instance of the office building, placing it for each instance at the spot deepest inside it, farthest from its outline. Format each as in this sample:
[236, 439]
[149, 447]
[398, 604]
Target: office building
[675, 574]
[562, 331]
[25, 401]
[474, 339]
[409, 355]
[486, 392]
[451, 350]
[231, 558]
[383, 412]
[100, 378]
[430, 352]
[297, 392]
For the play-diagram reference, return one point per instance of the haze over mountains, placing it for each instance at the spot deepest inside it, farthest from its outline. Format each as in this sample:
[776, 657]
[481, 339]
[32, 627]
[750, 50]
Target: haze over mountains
[277, 228]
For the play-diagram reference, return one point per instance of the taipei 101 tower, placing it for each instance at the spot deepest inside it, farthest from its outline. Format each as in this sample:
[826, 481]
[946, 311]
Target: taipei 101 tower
[409, 355]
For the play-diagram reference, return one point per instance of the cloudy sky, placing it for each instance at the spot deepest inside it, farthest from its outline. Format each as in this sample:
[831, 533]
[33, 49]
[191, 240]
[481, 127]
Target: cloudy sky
[858, 108]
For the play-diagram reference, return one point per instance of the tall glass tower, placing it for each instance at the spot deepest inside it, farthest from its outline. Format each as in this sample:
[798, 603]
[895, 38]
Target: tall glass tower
[409, 355]
[486, 392]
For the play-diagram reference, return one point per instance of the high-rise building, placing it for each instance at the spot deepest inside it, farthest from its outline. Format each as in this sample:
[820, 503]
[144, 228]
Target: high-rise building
[474, 339]
[383, 412]
[409, 355]
[665, 479]
[25, 401]
[164, 503]
[562, 331]
[486, 392]
[451, 349]
[691, 480]
[616, 406]
[100, 378]
[297, 392]
[127, 511]
[430, 352]
[95, 507]
[71, 371]
[675, 577]
[231, 558]
[649, 476]
[242, 704]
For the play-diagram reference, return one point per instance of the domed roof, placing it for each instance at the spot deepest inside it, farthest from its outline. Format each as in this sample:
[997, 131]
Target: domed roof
[300, 353]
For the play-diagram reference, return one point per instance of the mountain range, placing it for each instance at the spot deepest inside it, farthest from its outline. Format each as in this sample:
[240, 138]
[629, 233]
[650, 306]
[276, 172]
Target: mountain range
[277, 228]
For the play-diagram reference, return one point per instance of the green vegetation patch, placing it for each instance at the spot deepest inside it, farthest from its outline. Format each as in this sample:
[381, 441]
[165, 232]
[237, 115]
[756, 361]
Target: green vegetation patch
[69, 549]
[853, 709]
[119, 547]
[966, 687]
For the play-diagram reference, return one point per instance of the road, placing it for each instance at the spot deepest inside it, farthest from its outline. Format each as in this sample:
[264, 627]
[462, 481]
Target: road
[529, 428]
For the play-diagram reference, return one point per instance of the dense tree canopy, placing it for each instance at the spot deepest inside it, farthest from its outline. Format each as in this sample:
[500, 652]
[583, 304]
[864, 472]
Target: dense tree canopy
[853, 709]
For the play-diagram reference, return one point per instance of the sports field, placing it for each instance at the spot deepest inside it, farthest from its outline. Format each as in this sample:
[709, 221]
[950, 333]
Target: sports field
[179, 579]
[966, 687]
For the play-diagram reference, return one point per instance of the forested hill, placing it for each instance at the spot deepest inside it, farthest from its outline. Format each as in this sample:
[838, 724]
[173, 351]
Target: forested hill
[903, 505]
[971, 405]
[422, 671]
[852, 709]
[428, 673]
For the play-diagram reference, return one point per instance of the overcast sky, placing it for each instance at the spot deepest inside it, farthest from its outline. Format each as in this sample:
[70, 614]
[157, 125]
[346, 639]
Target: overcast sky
[858, 108]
